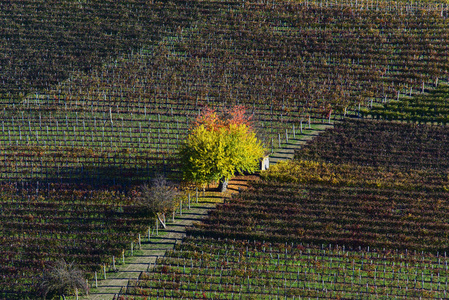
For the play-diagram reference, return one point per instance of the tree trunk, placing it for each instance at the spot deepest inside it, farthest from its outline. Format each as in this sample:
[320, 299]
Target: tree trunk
[223, 185]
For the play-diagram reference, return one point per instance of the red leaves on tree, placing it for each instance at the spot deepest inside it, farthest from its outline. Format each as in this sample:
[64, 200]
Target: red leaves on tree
[212, 120]
[209, 119]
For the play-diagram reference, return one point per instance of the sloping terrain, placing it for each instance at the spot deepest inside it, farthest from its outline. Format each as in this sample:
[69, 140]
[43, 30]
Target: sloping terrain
[96, 96]
[324, 230]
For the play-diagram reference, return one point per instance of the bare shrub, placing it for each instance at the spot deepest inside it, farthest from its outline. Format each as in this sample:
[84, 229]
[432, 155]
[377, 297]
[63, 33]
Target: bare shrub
[159, 198]
[62, 279]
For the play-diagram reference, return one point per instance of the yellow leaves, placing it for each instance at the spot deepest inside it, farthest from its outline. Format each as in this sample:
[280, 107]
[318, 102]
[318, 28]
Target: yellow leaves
[310, 172]
[209, 154]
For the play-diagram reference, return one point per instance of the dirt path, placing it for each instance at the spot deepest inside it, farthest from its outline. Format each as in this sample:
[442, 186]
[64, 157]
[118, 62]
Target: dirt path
[156, 247]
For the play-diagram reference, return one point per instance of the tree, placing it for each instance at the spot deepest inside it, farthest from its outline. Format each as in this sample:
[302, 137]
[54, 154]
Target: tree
[217, 147]
[62, 279]
[159, 198]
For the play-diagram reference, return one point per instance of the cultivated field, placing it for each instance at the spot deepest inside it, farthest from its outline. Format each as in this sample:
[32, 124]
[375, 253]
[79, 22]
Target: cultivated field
[344, 228]
[95, 98]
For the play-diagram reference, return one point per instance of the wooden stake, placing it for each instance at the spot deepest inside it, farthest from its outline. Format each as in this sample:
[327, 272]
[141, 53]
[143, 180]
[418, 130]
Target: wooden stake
[140, 243]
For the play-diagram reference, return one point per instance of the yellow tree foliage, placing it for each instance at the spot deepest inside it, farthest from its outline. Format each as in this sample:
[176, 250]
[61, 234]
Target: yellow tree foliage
[218, 147]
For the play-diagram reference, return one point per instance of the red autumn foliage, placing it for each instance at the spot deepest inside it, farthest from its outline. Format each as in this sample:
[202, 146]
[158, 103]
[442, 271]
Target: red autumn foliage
[212, 120]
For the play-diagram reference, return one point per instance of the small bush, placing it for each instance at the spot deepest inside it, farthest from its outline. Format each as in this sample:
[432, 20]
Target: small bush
[62, 279]
[159, 198]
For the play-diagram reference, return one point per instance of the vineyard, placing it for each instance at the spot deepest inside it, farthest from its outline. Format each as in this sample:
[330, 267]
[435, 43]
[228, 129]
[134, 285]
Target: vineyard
[75, 223]
[290, 64]
[340, 227]
[203, 269]
[426, 108]
[43, 42]
[95, 98]
[382, 144]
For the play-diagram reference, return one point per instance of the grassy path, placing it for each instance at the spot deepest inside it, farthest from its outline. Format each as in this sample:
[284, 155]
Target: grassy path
[288, 149]
[148, 253]
[146, 256]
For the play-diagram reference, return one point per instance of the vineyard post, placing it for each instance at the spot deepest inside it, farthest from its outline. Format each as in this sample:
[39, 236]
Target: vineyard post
[168, 140]
[189, 200]
[196, 195]
[309, 123]
[140, 243]
[113, 262]
[149, 233]
[180, 207]
[123, 256]
[104, 270]
[293, 129]
[286, 136]
[132, 249]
